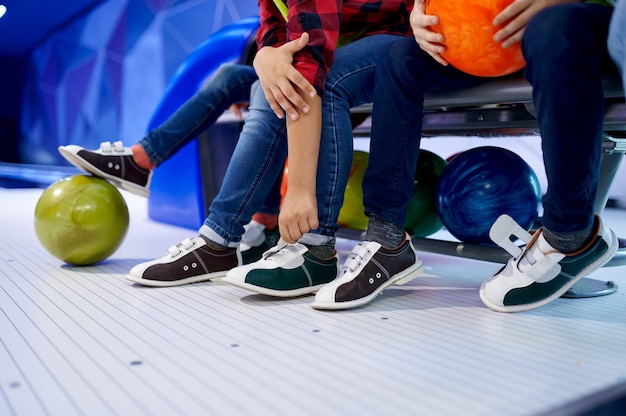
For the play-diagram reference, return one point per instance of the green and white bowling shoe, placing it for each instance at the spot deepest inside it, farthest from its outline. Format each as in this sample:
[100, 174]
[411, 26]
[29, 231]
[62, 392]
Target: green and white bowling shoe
[286, 270]
[538, 274]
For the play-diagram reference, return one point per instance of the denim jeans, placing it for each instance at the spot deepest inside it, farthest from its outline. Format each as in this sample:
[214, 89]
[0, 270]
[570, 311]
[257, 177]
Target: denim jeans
[260, 153]
[565, 50]
[566, 56]
[230, 84]
[617, 38]
[403, 78]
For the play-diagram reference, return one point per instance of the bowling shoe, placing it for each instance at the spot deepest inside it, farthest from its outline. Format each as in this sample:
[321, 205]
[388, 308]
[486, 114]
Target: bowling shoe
[113, 162]
[368, 270]
[256, 240]
[538, 274]
[286, 270]
[190, 261]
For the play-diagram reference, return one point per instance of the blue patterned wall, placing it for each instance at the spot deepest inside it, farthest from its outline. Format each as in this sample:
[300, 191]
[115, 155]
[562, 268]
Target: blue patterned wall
[102, 77]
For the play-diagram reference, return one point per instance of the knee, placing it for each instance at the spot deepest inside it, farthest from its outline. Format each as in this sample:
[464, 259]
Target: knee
[544, 32]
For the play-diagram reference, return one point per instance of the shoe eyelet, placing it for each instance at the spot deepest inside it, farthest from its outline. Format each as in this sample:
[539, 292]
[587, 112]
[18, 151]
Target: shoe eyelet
[185, 267]
[194, 265]
[378, 275]
[371, 280]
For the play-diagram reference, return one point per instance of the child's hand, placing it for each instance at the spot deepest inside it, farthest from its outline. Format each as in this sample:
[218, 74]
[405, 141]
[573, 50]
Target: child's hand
[431, 42]
[278, 77]
[517, 14]
[298, 215]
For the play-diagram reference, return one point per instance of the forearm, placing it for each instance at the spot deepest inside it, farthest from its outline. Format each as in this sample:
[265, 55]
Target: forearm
[303, 138]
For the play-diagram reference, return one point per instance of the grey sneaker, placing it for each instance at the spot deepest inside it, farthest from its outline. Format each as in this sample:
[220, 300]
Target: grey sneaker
[190, 261]
[368, 270]
[538, 274]
[112, 162]
[286, 270]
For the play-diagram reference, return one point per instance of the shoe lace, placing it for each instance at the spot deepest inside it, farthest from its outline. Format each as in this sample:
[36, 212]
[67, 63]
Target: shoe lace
[282, 250]
[182, 247]
[355, 259]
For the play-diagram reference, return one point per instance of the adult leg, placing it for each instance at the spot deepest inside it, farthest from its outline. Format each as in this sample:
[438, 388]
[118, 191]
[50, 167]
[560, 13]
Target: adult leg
[565, 51]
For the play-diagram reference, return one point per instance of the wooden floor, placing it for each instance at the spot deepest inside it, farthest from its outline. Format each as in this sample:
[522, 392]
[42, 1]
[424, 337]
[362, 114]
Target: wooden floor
[84, 341]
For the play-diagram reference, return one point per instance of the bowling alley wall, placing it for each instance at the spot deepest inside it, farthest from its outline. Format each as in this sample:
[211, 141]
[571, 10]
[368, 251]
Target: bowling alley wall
[101, 77]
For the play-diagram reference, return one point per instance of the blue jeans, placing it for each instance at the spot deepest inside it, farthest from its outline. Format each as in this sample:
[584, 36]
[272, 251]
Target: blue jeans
[568, 96]
[566, 56]
[617, 38]
[230, 84]
[260, 153]
[403, 78]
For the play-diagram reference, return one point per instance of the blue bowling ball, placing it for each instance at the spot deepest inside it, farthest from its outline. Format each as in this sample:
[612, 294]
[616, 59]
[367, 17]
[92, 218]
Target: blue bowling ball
[479, 185]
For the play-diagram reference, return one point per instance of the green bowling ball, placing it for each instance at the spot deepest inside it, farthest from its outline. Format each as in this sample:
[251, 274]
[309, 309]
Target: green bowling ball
[81, 219]
[422, 218]
[352, 213]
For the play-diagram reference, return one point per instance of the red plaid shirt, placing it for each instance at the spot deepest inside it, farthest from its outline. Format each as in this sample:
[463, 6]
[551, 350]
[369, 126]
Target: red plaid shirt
[326, 21]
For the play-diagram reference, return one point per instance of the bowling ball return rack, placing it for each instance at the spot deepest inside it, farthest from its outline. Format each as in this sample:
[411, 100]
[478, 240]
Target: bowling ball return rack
[504, 107]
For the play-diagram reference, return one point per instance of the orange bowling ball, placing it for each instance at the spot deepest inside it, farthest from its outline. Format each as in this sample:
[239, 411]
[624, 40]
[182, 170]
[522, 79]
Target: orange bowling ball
[467, 26]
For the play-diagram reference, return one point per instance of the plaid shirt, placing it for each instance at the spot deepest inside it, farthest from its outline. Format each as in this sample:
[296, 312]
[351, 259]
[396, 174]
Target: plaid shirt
[326, 21]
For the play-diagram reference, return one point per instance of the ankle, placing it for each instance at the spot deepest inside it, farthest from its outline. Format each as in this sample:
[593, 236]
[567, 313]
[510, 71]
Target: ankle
[387, 234]
[212, 243]
[270, 221]
[141, 158]
[567, 242]
[324, 251]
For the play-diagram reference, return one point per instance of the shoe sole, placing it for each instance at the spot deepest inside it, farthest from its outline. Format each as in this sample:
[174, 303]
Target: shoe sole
[399, 279]
[601, 261]
[89, 168]
[292, 293]
[164, 283]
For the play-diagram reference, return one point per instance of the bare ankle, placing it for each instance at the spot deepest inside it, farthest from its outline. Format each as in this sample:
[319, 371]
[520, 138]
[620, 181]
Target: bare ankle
[141, 157]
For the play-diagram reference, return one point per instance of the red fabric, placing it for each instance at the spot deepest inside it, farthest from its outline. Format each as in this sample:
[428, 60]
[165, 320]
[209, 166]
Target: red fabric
[325, 21]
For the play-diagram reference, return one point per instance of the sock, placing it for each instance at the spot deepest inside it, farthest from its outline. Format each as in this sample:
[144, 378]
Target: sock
[567, 242]
[324, 251]
[212, 243]
[270, 221]
[141, 157]
[387, 234]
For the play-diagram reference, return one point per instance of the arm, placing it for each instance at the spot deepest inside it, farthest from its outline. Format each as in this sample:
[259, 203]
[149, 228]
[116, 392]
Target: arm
[282, 72]
[298, 214]
[284, 87]
[517, 14]
[283, 68]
